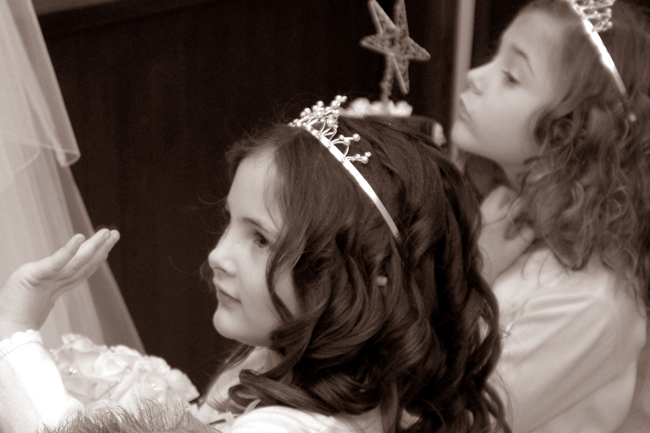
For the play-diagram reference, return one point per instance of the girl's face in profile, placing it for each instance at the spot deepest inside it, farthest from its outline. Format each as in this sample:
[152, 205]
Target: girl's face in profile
[497, 112]
[245, 312]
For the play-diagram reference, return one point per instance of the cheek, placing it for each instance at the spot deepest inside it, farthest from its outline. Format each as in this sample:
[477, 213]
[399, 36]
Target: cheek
[509, 127]
[257, 301]
[286, 291]
[484, 133]
[527, 131]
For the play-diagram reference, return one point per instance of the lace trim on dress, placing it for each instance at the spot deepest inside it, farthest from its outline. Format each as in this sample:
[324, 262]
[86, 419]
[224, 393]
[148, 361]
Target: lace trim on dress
[19, 339]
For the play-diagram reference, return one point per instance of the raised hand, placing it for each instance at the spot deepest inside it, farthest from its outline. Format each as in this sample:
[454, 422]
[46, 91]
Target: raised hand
[500, 242]
[27, 297]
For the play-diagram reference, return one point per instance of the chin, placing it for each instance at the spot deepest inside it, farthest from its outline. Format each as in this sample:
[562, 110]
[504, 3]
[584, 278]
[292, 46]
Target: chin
[228, 327]
[462, 139]
[223, 324]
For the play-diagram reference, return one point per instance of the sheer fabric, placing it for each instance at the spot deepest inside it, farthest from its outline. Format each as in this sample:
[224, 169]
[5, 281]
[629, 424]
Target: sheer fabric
[40, 206]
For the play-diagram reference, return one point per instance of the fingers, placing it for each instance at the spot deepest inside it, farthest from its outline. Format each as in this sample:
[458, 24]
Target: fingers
[30, 292]
[495, 207]
[102, 254]
[75, 258]
[515, 208]
[499, 253]
[67, 252]
[527, 234]
[91, 254]
[503, 195]
[49, 266]
[502, 241]
[520, 241]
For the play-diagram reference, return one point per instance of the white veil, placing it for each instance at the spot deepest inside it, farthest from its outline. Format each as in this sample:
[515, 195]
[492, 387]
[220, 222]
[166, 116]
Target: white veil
[40, 206]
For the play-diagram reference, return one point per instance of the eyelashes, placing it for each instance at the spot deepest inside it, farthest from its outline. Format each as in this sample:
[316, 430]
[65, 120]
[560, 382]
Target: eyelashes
[260, 240]
[509, 78]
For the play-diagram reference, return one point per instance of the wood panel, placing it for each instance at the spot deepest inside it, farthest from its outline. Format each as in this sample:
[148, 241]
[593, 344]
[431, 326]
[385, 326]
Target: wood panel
[492, 18]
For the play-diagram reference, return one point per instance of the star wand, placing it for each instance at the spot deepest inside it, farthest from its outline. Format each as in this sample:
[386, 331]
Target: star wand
[393, 41]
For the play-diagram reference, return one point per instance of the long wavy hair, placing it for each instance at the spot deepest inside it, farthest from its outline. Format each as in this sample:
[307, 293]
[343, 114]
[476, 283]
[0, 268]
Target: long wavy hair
[588, 192]
[403, 325]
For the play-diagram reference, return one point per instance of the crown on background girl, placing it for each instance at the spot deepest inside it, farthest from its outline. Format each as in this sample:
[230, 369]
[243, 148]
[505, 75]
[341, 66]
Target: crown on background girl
[596, 17]
[323, 123]
[597, 12]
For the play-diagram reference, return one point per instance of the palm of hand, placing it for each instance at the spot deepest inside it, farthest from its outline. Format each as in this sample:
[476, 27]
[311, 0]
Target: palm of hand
[31, 291]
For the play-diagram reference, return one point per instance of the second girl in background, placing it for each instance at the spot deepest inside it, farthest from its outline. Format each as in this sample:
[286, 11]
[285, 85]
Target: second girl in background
[574, 145]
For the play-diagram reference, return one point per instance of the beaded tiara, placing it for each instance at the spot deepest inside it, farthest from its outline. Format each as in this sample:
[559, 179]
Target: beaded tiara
[322, 123]
[595, 16]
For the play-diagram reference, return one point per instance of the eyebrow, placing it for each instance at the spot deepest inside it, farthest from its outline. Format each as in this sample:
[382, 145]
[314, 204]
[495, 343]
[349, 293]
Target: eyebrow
[517, 50]
[257, 224]
[521, 53]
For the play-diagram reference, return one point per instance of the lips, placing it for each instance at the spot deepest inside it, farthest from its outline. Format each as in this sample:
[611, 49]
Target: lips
[224, 296]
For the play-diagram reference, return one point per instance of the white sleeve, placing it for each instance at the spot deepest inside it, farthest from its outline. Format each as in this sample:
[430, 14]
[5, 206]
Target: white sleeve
[31, 389]
[564, 347]
[273, 420]
[279, 419]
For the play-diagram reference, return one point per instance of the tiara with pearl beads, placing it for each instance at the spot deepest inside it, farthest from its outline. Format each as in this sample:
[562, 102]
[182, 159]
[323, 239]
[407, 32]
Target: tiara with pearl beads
[322, 123]
[595, 16]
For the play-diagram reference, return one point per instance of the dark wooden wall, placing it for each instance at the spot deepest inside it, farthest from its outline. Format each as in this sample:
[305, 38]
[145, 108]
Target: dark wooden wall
[491, 19]
[157, 90]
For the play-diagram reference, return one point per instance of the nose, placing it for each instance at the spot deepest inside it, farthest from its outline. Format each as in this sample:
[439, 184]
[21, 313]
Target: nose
[474, 78]
[221, 258]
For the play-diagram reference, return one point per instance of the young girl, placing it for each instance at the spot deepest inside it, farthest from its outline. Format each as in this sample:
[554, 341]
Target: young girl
[574, 143]
[351, 283]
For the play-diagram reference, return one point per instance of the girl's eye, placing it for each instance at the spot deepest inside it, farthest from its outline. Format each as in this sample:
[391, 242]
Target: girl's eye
[510, 79]
[261, 241]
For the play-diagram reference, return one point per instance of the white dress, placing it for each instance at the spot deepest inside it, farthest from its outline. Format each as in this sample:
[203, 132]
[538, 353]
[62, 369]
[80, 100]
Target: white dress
[40, 206]
[571, 345]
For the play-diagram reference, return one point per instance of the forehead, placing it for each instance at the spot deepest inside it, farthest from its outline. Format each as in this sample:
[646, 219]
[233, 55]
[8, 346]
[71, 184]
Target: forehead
[254, 186]
[539, 36]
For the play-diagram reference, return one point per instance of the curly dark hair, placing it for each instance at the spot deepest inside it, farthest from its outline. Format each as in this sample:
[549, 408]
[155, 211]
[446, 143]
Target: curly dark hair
[588, 192]
[404, 325]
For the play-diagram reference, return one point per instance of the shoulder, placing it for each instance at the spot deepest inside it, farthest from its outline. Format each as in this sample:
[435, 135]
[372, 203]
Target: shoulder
[568, 334]
[538, 277]
[541, 301]
[277, 419]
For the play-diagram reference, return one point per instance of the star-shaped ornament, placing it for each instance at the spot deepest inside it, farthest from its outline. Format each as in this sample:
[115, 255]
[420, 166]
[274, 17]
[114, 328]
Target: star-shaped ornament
[393, 41]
